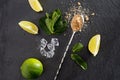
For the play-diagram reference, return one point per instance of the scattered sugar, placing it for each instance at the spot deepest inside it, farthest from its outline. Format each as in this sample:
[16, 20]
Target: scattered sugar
[86, 17]
[79, 3]
[93, 14]
[78, 9]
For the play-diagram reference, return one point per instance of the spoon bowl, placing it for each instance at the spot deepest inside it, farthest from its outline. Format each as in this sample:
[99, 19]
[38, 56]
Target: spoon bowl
[77, 22]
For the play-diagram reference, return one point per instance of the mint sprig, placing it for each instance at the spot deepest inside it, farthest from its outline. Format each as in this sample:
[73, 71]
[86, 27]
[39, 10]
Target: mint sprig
[52, 23]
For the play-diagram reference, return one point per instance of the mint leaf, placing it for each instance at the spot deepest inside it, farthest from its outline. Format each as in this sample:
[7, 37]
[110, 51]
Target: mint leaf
[43, 25]
[49, 24]
[55, 16]
[60, 26]
[47, 15]
[58, 11]
[77, 47]
[79, 61]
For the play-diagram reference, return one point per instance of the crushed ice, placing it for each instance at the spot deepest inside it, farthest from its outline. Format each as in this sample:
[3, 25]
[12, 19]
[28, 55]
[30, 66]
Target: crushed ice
[50, 46]
[43, 43]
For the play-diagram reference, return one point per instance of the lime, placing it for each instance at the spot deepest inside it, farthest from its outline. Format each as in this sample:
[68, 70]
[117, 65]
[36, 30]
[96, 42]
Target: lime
[35, 5]
[94, 44]
[29, 27]
[31, 68]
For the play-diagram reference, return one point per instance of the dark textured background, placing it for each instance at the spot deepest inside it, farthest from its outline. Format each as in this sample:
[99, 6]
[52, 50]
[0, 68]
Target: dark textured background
[16, 45]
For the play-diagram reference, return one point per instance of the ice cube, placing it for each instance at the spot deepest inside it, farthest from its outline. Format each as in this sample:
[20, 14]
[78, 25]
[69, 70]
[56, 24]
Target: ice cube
[55, 41]
[51, 47]
[43, 43]
[50, 54]
[43, 52]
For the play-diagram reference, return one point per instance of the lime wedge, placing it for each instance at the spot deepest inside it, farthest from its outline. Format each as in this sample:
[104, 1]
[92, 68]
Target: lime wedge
[28, 27]
[35, 5]
[94, 44]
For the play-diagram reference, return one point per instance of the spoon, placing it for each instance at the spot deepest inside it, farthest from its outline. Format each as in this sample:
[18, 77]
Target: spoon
[76, 25]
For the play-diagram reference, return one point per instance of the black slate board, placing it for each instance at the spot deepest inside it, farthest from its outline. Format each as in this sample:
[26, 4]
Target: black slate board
[16, 45]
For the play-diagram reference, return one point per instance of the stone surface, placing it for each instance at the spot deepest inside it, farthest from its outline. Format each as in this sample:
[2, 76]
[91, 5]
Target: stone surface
[16, 45]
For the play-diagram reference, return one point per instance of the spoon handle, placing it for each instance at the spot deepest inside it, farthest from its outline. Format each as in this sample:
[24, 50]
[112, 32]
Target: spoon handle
[64, 55]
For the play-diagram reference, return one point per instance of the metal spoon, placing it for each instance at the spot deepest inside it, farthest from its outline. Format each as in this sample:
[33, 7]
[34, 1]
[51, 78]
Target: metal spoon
[76, 25]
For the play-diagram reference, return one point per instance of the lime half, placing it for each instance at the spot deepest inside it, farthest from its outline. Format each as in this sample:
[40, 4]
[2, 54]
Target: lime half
[31, 68]
[94, 44]
[28, 27]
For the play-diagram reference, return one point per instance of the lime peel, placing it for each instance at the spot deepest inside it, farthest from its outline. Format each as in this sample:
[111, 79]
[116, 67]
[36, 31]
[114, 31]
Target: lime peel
[31, 68]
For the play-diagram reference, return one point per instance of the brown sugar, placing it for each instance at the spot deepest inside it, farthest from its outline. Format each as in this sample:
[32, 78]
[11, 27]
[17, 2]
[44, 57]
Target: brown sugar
[93, 14]
[77, 23]
[79, 3]
[86, 17]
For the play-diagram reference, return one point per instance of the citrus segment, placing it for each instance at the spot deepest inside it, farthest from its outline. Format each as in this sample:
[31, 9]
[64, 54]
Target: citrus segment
[29, 27]
[35, 5]
[94, 44]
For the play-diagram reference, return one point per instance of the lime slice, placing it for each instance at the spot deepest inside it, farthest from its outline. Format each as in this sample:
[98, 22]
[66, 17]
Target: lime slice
[31, 68]
[29, 27]
[94, 44]
[35, 5]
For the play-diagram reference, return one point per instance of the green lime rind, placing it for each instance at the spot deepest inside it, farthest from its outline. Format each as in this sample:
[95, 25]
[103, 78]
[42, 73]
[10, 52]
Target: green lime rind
[31, 68]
